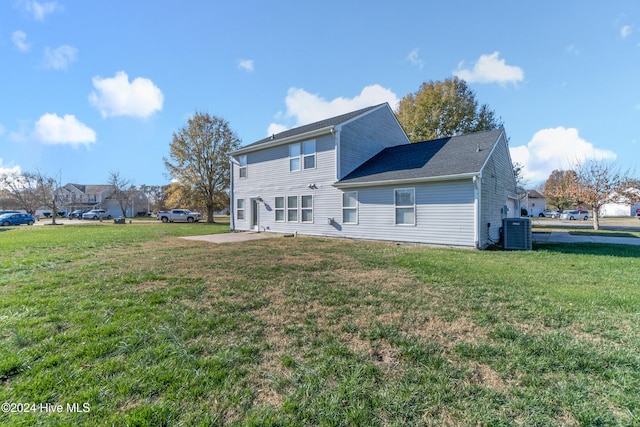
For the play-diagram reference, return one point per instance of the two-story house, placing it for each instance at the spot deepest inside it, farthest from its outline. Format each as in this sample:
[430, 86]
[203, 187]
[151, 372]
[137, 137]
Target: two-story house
[358, 176]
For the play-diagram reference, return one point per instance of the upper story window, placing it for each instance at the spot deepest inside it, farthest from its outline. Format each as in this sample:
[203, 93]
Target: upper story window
[242, 162]
[405, 201]
[302, 155]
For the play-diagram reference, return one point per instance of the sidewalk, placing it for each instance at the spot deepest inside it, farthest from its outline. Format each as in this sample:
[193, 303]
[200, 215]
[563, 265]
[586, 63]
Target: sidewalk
[565, 237]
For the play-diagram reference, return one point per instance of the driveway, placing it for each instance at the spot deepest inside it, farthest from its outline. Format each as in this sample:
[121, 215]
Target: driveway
[565, 237]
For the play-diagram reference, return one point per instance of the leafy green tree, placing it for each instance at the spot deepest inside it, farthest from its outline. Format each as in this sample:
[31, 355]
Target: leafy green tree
[199, 159]
[441, 109]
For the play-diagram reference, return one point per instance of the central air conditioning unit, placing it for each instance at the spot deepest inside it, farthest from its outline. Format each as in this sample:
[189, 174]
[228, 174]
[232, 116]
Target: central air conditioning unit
[516, 233]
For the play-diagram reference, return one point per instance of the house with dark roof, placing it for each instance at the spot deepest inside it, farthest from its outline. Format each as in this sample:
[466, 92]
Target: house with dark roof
[358, 176]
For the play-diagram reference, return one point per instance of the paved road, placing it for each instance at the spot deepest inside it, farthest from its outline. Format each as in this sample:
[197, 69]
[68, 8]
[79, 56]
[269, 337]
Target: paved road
[564, 237]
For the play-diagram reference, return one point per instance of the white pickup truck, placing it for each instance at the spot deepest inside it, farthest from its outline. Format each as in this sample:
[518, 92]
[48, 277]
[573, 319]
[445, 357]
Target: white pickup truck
[179, 215]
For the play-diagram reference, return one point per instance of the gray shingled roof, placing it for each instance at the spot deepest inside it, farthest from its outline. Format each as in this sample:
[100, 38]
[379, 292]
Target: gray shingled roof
[333, 121]
[457, 155]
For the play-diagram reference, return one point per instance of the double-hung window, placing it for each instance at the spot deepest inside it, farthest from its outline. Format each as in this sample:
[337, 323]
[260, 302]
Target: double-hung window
[292, 209]
[405, 201]
[350, 207]
[240, 209]
[242, 162]
[306, 209]
[279, 209]
[302, 156]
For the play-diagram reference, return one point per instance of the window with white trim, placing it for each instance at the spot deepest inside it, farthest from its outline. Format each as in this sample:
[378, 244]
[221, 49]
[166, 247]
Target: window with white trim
[405, 203]
[302, 155]
[292, 209]
[306, 208]
[309, 154]
[350, 207]
[240, 209]
[279, 209]
[242, 162]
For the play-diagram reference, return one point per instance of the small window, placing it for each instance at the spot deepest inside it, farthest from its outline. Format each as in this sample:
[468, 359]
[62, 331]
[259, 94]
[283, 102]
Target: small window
[405, 206]
[242, 162]
[294, 157]
[309, 154]
[350, 207]
[279, 209]
[240, 209]
[292, 209]
[307, 208]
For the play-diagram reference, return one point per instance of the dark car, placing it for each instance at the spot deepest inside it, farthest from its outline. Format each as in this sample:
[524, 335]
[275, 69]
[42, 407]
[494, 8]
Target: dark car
[77, 213]
[16, 219]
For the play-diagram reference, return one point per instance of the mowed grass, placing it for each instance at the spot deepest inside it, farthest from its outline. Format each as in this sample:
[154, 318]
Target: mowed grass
[148, 329]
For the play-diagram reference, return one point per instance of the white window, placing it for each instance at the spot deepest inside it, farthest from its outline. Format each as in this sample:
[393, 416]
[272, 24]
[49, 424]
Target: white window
[279, 209]
[405, 206]
[294, 157]
[240, 209]
[292, 209]
[242, 162]
[309, 154]
[302, 156]
[350, 207]
[307, 208]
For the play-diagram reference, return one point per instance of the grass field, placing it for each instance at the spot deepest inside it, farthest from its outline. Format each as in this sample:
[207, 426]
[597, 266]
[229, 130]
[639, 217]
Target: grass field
[129, 325]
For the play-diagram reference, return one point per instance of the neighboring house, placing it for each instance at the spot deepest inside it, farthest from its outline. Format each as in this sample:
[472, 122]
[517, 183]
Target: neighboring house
[358, 176]
[77, 196]
[534, 202]
[619, 209]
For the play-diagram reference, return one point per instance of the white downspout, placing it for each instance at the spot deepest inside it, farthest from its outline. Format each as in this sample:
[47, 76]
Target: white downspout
[232, 222]
[477, 180]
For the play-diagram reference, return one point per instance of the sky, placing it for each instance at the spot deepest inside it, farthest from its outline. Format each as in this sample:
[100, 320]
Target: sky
[88, 88]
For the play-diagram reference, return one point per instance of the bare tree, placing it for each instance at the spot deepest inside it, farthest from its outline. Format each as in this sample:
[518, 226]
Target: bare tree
[598, 182]
[49, 190]
[23, 188]
[124, 191]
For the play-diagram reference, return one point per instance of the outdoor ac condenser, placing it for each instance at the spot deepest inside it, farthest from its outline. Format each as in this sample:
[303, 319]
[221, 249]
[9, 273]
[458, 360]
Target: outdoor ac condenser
[516, 233]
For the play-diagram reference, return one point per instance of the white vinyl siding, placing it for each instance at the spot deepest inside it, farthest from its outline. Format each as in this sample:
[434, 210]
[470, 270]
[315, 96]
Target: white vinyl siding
[350, 207]
[405, 204]
[306, 209]
[279, 209]
[292, 209]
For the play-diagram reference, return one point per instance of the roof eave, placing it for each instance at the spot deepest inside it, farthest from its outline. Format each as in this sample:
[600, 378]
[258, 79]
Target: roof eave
[288, 140]
[419, 180]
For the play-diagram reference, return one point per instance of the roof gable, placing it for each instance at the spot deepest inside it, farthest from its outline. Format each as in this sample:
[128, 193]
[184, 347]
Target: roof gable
[452, 156]
[287, 135]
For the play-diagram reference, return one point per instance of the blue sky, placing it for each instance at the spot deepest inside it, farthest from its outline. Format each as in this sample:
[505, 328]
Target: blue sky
[92, 87]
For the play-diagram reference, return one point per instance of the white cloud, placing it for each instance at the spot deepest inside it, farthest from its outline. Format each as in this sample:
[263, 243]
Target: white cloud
[56, 130]
[625, 31]
[304, 107]
[555, 148]
[19, 39]
[490, 69]
[115, 96]
[414, 59]
[39, 9]
[246, 64]
[60, 58]
[8, 169]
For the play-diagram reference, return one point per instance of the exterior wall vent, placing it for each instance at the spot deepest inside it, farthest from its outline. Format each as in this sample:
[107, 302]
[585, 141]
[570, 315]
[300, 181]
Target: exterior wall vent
[517, 233]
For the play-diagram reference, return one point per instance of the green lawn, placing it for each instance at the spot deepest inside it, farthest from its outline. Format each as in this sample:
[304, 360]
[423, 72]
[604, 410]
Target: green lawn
[145, 329]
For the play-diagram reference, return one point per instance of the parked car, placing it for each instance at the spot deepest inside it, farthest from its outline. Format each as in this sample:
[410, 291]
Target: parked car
[638, 213]
[16, 219]
[96, 214]
[550, 213]
[179, 215]
[6, 212]
[575, 214]
[77, 213]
